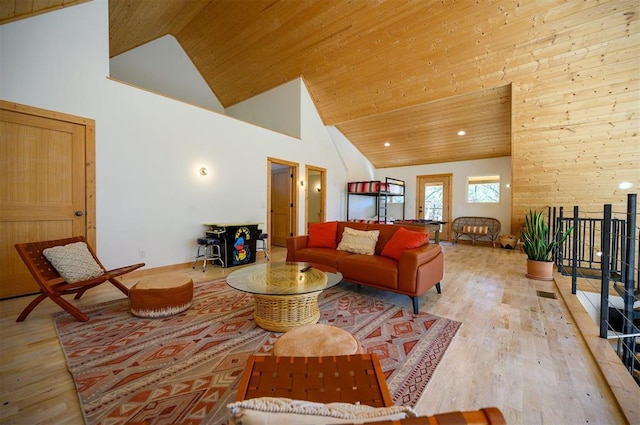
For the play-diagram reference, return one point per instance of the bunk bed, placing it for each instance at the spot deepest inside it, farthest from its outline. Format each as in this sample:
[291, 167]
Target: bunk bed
[383, 194]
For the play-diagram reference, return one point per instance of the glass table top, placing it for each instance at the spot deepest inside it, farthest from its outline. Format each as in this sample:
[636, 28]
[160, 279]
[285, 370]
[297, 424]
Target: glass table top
[283, 278]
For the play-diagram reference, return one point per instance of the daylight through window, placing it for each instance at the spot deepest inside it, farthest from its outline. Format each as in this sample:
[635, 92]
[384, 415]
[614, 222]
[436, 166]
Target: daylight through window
[483, 189]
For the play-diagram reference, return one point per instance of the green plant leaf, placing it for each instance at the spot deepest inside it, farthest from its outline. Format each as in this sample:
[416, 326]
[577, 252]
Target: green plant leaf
[536, 241]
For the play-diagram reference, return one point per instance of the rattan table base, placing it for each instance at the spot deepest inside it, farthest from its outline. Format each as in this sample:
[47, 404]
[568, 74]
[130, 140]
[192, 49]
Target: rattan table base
[279, 313]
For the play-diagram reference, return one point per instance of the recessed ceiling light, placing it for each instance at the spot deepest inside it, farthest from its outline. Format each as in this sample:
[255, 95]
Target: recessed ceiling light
[625, 185]
[387, 144]
[461, 133]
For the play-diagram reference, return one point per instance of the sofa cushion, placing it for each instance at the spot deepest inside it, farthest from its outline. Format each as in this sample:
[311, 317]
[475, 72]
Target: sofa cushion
[326, 256]
[369, 269]
[323, 235]
[402, 240]
[358, 241]
[475, 229]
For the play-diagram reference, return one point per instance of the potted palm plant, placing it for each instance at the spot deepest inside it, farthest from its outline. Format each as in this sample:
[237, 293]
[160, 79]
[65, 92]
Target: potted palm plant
[539, 246]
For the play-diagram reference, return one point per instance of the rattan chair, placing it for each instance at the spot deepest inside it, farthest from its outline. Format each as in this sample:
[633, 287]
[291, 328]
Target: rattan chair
[53, 286]
[348, 379]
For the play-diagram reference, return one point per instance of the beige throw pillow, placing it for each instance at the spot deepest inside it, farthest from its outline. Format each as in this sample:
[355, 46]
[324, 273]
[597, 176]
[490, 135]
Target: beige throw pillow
[74, 262]
[359, 241]
[285, 411]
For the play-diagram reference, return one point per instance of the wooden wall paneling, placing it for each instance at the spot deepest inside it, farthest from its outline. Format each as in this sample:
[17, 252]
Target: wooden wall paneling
[592, 119]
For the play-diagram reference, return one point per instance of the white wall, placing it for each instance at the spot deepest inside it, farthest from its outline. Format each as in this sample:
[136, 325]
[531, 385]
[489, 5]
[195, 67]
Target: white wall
[360, 169]
[461, 172]
[259, 110]
[163, 66]
[149, 147]
[337, 172]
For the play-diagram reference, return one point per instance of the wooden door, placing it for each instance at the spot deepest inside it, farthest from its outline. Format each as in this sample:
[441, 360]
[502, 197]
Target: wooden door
[434, 200]
[281, 206]
[46, 159]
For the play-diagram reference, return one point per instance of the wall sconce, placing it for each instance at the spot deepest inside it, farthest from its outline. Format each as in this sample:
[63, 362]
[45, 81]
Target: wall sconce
[203, 171]
[318, 188]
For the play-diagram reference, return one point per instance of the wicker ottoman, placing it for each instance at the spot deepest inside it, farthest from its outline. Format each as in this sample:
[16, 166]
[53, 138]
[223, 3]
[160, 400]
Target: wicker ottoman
[316, 340]
[161, 296]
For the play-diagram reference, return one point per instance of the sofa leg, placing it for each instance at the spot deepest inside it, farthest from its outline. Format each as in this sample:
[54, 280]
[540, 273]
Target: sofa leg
[438, 288]
[416, 307]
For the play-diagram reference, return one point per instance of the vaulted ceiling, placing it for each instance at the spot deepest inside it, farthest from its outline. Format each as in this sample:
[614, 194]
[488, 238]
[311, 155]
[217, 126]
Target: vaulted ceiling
[375, 69]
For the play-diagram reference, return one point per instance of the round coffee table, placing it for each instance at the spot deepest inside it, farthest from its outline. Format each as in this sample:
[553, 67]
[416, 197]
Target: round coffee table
[285, 294]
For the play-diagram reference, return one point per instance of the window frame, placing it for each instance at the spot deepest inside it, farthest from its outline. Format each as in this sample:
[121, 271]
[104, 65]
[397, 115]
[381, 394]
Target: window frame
[484, 179]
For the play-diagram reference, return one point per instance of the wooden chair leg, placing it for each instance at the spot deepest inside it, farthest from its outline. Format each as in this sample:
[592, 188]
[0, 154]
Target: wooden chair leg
[80, 293]
[115, 282]
[69, 308]
[30, 307]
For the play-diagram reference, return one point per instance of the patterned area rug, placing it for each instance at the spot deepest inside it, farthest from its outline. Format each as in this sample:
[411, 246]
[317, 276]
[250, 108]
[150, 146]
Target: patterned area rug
[186, 368]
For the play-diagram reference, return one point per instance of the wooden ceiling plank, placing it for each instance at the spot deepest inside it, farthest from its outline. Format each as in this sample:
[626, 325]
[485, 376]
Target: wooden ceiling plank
[13, 10]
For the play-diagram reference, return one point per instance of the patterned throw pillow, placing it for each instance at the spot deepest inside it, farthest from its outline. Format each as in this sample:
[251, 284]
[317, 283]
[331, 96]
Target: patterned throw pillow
[74, 262]
[475, 229]
[359, 241]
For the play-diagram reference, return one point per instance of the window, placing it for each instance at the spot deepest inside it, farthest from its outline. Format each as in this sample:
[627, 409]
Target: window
[483, 189]
[433, 194]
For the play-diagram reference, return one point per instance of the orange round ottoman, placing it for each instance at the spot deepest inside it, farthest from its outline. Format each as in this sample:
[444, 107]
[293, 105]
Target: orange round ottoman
[161, 296]
[316, 340]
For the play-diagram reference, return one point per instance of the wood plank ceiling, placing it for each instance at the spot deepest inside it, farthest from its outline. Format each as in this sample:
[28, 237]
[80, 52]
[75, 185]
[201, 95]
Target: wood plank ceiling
[372, 67]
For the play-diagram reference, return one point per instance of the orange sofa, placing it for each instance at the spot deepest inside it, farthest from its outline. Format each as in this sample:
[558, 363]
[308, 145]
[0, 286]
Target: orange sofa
[414, 272]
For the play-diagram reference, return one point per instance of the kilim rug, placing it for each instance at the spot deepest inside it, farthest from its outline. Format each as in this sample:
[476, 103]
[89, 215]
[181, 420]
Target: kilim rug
[186, 368]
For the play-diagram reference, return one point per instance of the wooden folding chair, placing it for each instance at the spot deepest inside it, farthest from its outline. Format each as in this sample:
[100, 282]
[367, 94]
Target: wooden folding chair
[53, 286]
[346, 379]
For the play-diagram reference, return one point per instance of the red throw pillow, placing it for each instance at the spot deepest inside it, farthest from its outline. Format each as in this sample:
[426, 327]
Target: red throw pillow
[323, 235]
[401, 240]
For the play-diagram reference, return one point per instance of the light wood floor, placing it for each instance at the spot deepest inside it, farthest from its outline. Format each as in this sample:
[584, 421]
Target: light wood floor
[515, 350]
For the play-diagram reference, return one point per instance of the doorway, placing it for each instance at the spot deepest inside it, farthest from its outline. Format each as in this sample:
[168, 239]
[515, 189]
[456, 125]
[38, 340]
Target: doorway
[315, 195]
[47, 185]
[434, 200]
[282, 200]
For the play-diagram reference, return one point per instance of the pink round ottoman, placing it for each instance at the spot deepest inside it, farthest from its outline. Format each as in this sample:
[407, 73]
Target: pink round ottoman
[316, 340]
[161, 296]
